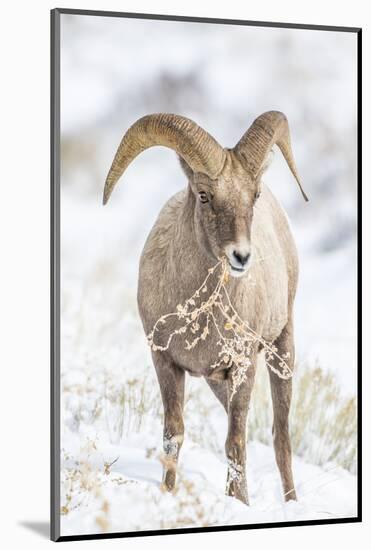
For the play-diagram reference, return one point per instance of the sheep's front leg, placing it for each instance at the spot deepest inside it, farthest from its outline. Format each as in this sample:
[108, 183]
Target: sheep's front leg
[235, 445]
[171, 380]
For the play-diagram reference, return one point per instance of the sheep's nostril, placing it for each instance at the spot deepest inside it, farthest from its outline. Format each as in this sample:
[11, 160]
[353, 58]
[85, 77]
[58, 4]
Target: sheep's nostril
[240, 258]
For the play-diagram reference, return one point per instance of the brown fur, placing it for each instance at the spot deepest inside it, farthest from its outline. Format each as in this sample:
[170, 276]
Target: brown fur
[186, 240]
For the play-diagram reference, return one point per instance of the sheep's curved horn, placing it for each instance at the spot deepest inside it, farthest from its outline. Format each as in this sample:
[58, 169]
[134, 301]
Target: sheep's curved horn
[201, 152]
[268, 129]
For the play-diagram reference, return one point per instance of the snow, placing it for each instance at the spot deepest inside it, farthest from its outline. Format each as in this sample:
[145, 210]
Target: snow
[136, 500]
[111, 408]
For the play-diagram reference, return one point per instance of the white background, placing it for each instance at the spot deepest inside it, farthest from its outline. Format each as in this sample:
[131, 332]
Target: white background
[24, 288]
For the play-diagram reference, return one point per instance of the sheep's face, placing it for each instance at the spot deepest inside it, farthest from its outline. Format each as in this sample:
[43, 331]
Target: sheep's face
[223, 215]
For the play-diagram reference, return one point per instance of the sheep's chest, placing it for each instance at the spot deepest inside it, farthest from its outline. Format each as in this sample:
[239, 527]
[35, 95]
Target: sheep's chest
[208, 330]
[199, 349]
[209, 343]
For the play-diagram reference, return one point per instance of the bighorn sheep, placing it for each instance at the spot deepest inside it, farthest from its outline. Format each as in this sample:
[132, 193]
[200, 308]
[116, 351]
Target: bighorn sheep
[225, 212]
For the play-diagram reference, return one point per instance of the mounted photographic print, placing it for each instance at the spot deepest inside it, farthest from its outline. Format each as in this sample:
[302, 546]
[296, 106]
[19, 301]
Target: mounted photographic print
[205, 195]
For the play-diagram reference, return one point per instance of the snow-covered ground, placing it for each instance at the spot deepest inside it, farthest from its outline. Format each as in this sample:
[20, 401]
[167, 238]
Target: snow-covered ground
[129, 497]
[111, 407]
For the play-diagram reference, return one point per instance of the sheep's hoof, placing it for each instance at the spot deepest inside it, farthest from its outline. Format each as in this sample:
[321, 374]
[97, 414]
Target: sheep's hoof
[291, 495]
[168, 482]
[238, 490]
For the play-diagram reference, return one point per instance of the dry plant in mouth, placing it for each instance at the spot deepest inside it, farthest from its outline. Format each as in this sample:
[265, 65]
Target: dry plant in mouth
[236, 338]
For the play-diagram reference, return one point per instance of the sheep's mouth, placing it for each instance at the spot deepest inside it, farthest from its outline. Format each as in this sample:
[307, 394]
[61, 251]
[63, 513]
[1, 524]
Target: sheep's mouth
[237, 271]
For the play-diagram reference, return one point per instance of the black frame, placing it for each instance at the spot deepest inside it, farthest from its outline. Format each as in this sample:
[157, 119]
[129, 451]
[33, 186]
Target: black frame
[55, 274]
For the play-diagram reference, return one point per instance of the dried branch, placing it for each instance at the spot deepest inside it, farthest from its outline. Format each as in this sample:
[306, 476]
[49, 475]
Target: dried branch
[236, 338]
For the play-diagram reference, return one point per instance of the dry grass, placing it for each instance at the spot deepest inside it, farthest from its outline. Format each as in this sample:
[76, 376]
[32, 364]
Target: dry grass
[323, 422]
[128, 405]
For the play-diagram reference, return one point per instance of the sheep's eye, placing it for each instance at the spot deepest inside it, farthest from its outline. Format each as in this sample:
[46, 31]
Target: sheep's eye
[257, 195]
[203, 197]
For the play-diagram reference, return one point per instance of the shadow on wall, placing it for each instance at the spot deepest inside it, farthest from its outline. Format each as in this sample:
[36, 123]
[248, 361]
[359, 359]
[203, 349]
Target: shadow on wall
[41, 528]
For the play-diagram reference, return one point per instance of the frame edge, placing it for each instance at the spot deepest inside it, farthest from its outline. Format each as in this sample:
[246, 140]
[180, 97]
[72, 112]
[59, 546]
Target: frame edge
[55, 278]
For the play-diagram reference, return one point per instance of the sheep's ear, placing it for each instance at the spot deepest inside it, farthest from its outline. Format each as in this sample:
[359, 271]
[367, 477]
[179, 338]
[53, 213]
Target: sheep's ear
[186, 168]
